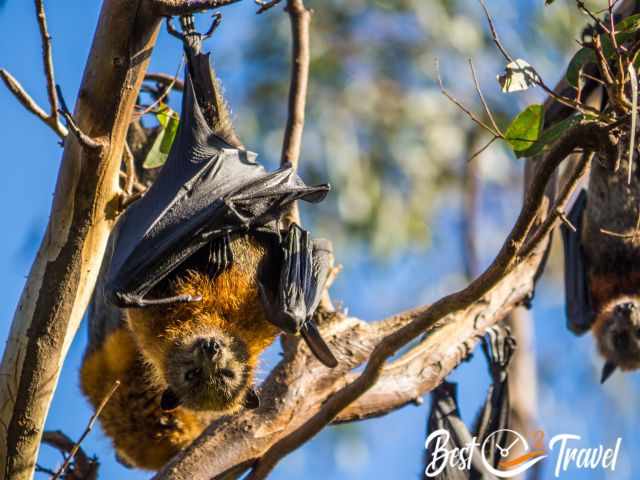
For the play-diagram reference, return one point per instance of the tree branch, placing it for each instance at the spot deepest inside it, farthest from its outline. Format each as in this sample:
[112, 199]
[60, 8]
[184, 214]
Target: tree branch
[170, 8]
[84, 209]
[76, 446]
[165, 79]
[85, 468]
[30, 104]
[47, 58]
[300, 18]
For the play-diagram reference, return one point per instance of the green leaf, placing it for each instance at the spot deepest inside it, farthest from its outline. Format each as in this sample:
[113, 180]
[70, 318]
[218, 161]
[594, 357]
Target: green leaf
[525, 129]
[550, 135]
[163, 114]
[169, 122]
[587, 55]
[628, 25]
[582, 58]
[170, 133]
[155, 158]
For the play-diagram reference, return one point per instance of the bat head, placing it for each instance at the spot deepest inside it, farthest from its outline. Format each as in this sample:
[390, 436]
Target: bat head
[208, 371]
[617, 333]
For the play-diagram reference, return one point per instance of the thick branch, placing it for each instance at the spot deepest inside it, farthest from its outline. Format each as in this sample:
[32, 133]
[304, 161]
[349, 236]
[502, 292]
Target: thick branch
[84, 208]
[170, 8]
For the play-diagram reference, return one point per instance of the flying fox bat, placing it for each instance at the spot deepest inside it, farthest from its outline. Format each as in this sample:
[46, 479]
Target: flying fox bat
[202, 262]
[493, 418]
[602, 265]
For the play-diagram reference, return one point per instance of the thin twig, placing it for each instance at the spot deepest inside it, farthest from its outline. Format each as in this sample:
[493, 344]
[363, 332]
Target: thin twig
[300, 18]
[85, 467]
[88, 429]
[84, 139]
[484, 102]
[565, 219]
[47, 58]
[41, 469]
[266, 5]
[469, 113]
[30, 104]
[130, 169]
[482, 149]
[590, 14]
[633, 79]
[560, 204]
[163, 95]
[165, 79]
[533, 76]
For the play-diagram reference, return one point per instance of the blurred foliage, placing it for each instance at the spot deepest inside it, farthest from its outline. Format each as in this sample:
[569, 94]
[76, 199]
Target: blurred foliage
[377, 126]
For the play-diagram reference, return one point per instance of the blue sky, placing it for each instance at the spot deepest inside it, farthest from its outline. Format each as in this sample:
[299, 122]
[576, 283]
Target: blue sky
[571, 400]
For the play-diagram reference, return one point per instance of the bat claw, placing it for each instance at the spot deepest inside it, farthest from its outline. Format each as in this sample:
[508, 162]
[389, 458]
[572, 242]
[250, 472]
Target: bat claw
[217, 18]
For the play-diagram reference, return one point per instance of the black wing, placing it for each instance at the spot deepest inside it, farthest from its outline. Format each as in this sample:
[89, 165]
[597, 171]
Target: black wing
[303, 275]
[498, 346]
[579, 308]
[103, 317]
[445, 416]
[206, 189]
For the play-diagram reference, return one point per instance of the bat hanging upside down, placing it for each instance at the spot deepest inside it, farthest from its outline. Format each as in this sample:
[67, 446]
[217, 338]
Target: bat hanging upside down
[602, 265]
[208, 278]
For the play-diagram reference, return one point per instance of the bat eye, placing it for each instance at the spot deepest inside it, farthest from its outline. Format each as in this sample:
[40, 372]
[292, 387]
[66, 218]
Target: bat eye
[191, 374]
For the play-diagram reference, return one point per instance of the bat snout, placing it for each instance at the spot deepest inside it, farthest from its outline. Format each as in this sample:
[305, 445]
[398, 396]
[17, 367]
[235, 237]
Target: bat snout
[627, 315]
[210, 348]
[626, 308]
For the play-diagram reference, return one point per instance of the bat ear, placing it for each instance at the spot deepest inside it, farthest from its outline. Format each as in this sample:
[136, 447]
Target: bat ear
[169, 400]
[607, 370]
[252, 400]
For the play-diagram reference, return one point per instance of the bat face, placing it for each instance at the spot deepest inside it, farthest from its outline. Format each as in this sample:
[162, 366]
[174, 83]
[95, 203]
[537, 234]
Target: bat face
[207, 372]
[617, 333]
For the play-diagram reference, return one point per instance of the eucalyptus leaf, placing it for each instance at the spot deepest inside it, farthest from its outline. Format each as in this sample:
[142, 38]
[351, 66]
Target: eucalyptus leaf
[550, 135]
[629, 24]
[582, 58]
[155, 158]
[170, 133]
[587, 55]
[169, 122]
[525, 129]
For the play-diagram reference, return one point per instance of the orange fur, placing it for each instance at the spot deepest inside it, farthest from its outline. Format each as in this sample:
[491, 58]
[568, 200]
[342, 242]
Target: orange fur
[231, 303]
[142, 434]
